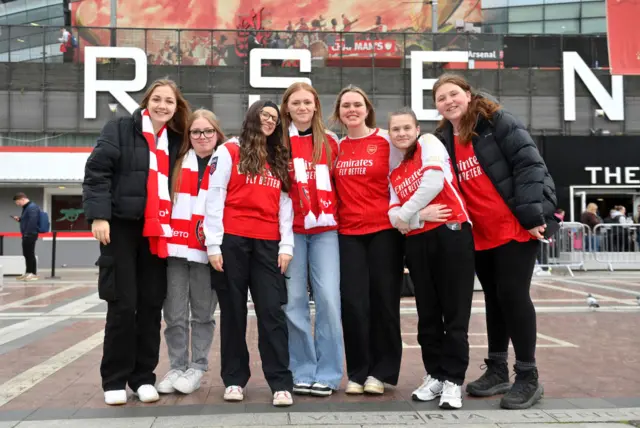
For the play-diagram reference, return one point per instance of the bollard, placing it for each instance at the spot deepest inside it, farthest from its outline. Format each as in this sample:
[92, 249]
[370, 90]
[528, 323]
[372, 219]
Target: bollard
[53, 257]
[1, 245]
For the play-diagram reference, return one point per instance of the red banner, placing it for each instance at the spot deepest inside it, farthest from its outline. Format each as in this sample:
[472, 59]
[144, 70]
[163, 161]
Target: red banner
[362, 47]
[623, 36]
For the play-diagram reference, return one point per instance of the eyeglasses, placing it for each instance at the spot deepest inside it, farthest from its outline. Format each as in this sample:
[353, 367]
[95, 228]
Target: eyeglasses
[196, 134]
[266, 116]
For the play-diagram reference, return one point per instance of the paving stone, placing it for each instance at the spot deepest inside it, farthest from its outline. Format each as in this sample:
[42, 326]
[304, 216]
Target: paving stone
[486, 417]
[89, 423]
[359, 418]
[252, 419]
[595, 415]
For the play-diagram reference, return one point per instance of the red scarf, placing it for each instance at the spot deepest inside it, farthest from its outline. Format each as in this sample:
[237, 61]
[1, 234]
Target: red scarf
[187, 216]
[157, 212]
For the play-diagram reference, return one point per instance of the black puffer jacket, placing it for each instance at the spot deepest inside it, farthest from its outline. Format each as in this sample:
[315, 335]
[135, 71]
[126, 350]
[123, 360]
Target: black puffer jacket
[115, 176]
[508, 155]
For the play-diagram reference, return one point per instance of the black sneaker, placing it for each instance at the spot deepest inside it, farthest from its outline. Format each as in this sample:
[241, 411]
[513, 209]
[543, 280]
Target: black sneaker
[302, 388]
[321, 390]
[494, 381]
[525, 392]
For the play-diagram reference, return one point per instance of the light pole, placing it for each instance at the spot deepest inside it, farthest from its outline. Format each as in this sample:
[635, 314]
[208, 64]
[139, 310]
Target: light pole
[114, 21]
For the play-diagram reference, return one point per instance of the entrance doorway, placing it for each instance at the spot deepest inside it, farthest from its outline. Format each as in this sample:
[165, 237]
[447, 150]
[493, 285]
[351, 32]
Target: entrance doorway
[605, 197]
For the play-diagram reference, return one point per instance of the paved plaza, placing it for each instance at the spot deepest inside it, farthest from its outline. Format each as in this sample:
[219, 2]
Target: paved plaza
[589, 360]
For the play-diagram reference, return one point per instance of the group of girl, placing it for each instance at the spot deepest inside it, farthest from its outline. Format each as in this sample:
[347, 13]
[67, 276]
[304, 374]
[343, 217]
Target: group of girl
[186, 219]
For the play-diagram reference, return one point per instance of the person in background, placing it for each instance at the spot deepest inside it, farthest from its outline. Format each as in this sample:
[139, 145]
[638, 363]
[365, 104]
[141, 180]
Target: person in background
[371, 249]
[591, 218]
[439, 256]
[510, 197]
[126, 200]
[315, 357]
[189, 290]
[29, 230]
[249, 238]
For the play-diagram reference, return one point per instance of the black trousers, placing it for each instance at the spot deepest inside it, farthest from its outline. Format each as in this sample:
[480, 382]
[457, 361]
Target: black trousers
[29, 253]
[441, 265]
[371, 269]
[252, 264]
[505, 274]
[134, 283]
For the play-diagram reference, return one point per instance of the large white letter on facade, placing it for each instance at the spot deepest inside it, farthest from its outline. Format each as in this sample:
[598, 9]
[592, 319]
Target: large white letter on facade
[613, 105]
[117, 88]
[419, 85]
[256, 80]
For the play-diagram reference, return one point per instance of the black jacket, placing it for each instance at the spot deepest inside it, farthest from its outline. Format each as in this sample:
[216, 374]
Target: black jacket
[115, 176]
[508, 155]
[29, 219]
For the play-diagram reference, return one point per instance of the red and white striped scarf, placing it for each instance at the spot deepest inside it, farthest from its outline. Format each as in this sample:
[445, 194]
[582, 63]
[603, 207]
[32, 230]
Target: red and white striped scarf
[187, 216]
[323, 189]
[157, 212]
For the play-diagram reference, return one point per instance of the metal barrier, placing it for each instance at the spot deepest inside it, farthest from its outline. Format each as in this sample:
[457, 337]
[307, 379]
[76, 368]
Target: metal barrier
[566, 248]
[616, 243]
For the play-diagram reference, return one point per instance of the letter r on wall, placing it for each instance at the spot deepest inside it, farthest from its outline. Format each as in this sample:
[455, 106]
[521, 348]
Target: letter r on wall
[118, 88]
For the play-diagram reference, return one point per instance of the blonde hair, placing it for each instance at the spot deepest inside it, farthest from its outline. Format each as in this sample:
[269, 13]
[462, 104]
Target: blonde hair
[370, 120]
[320, 140]
[185, 146]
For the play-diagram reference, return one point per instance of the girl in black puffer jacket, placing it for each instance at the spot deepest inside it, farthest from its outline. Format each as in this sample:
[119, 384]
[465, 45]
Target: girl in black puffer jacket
[511, 200]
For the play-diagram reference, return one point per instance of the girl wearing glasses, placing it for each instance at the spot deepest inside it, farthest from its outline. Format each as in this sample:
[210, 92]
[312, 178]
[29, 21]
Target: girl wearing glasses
[249, 239]
[188, 272]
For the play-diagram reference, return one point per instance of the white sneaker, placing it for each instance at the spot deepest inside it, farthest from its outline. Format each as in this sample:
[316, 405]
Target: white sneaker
[30, 277]
[451, 397]
[373, 386]
[166, 384]
[189, 382]
[233, 393]
[282, 399]
[354, 388]
[115, 398]
[147, 394]
[430, 389]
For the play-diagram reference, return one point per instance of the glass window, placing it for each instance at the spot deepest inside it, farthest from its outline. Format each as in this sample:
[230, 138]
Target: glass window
[562, 11]
[524, 2]
[17, 18]
[495, 28]
[525, 13]
[57, 10]
[525, 28]
[593, 9]
[35, 15]
[67, 213]
[491, 4]
[567, 26]
[594, 25]
[498, 15]
[560, 1]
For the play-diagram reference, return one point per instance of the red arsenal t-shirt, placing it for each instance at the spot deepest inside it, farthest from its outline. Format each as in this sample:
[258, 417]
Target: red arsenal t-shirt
[304, 148]
[493, 222]
[362, 182]
[406, 178]
[252, 206]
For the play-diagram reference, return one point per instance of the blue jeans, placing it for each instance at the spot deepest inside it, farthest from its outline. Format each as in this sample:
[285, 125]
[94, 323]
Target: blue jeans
[320, 359]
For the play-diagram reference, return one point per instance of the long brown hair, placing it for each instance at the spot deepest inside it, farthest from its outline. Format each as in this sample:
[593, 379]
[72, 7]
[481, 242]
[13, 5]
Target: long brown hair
[186, 145]
[411, 150]
[370, 120]
[478, 105]
[256, 149]
[320, 140]
[179, 120]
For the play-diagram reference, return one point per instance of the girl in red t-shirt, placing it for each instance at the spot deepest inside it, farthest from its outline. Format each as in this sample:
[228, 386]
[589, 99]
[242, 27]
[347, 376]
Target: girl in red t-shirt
[316, 364]
[511, 199]
[371, 250]
[439, 256]
[249, 239]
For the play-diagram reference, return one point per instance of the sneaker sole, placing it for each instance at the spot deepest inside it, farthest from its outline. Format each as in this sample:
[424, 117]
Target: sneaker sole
[185, 390]
[416, 397]
[373, 390]
[496, 390]
[321, 393]
[537, 396]
[236, 399]
[302, 391]
[166, 390]
[448, 406]
[283, 404]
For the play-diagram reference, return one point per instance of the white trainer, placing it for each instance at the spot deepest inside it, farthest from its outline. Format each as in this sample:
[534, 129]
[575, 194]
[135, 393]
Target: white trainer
[189, 381]
[373, 386]
[451, 397]
[116, 397]
[430, 389]
[166, 384]
[233, 393]
[282, 399]
[147, 394]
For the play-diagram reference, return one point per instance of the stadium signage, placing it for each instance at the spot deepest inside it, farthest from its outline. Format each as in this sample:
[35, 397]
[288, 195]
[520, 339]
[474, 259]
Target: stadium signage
[612, 105]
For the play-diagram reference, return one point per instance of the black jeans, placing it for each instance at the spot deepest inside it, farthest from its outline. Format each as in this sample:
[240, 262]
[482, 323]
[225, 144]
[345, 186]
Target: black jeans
[441, 265]
[134, 283]
[505, 274]
[371, 269]
[252, 264]
[29, 253]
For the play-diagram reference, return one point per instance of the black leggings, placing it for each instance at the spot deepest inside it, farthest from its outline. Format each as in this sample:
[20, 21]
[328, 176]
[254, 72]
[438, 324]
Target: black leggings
[505, 274]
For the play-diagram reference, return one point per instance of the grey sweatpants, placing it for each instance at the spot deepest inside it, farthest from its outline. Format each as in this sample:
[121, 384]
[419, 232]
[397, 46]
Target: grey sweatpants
[189, 289]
